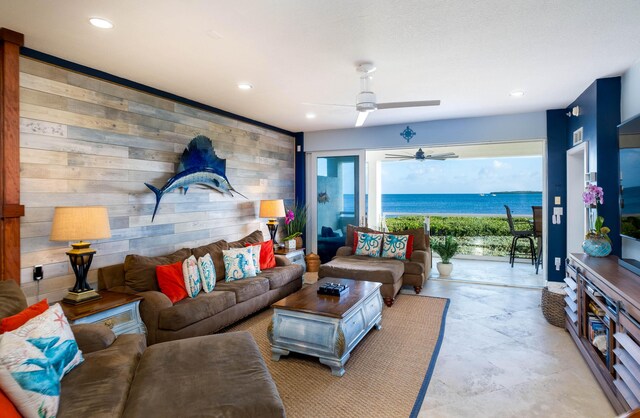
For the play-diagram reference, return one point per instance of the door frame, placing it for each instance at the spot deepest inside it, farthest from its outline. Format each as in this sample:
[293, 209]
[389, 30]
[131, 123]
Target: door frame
[312, 190]
[573, 206]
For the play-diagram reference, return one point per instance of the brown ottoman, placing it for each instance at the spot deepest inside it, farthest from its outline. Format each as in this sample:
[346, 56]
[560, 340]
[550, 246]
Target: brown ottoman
[220, 375]
[386, 271]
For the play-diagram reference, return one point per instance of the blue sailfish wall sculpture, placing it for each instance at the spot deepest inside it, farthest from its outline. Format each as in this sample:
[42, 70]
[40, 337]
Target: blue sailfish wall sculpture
[198, 165]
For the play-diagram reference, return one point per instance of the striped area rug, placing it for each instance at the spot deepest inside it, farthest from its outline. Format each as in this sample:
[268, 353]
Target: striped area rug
[386, 376]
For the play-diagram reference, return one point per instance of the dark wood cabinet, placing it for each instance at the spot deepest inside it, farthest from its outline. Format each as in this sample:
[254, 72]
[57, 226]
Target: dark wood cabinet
[603, 318]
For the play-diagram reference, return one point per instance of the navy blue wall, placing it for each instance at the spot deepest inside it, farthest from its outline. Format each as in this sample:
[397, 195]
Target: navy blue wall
[557, 127]
[599, 117]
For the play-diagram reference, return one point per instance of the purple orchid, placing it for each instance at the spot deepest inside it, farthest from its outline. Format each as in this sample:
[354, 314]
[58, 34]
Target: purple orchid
[593, 195]
[289, 217]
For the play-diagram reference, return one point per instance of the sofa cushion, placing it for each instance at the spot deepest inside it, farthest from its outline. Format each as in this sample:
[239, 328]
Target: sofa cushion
[386, 271]
[253, 238]
[140, 271]
[215, 251]
[280, 276]
[245, 289]
[12, 300]
[190, 311]
[220, 375]
[100, 385]
[420, 239]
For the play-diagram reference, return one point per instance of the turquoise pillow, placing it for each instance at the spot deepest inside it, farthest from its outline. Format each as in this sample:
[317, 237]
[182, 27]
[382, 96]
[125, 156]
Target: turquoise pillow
[369, 244]
[238, 264]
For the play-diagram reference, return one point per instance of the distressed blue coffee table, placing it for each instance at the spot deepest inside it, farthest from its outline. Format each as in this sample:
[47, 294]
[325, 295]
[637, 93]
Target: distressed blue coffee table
[327, 327]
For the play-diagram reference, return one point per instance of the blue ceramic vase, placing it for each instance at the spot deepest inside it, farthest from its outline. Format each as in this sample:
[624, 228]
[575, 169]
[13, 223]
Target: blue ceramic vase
[596, 247]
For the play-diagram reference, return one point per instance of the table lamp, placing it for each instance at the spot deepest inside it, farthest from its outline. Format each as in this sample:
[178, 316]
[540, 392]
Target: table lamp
[272, 209]
[79, 224]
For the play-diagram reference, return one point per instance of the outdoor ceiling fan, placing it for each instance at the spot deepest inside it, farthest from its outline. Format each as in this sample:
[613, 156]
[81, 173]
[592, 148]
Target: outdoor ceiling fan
[366, 99]
[421, 156]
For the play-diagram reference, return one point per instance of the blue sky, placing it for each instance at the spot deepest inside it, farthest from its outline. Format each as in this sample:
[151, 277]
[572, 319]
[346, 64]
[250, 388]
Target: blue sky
[478, 175]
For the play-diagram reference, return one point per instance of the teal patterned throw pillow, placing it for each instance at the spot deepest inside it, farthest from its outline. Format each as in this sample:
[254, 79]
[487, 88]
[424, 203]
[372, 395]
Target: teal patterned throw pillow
[395, 246]
[369, 244]
[191, 276]
[255, 252]
[238, 264]
[207, 273]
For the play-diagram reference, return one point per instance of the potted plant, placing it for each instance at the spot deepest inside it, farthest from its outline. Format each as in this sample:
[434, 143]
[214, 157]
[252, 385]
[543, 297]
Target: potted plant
[446, 249]
[295, 222]
[597, 242]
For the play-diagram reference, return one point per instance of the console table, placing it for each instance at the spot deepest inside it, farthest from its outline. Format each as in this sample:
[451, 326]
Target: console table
[603, 309]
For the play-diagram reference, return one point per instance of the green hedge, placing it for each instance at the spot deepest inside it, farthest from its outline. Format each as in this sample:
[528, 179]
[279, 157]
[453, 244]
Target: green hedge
[487, 236]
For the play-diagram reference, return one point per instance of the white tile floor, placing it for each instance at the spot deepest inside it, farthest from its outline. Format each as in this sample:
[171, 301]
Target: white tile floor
[493, 272]
[500, 358]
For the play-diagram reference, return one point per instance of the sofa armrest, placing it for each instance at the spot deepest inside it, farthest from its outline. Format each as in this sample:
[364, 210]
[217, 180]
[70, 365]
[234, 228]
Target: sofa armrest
[343, 251]
[424, 258]
[150, 308]
[282, 261]
[92, 337]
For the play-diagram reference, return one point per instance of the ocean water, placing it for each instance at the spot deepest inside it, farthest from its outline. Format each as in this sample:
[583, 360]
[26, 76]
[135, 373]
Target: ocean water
[487, 204]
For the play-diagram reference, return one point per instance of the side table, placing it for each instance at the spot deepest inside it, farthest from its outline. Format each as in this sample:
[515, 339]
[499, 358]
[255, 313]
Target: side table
[296, 256]
[118, 311]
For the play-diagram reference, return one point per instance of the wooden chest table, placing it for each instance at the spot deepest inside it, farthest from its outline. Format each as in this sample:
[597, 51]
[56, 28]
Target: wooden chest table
[327, 327]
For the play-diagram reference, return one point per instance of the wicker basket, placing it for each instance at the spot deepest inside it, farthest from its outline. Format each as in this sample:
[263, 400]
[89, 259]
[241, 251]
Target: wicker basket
[553, 307]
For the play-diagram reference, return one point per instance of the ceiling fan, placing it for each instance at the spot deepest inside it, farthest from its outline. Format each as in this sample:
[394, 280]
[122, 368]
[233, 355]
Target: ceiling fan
[421, 156]
[366, 99]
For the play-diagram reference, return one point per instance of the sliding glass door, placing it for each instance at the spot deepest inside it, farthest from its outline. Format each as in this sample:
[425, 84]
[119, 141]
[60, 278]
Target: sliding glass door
[336, 199]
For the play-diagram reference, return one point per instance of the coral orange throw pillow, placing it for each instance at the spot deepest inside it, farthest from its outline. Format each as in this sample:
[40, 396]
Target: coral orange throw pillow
[16, 321]
[267, 257]
[7, 408]
[171, 281]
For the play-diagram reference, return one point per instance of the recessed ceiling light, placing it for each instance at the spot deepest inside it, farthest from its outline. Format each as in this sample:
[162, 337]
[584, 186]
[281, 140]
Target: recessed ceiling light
[516, 93]
[245, 86]
[310, 115]
[101, 23]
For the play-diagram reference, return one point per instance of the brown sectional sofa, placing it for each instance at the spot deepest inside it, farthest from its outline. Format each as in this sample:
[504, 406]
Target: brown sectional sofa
[207, 312]
[196, 377]
[392, 273]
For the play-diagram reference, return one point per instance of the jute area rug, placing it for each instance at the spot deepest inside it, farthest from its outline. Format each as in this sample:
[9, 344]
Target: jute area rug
[386, 376]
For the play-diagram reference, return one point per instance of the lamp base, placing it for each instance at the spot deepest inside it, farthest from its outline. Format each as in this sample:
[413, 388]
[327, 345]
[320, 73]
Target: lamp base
[76, 298]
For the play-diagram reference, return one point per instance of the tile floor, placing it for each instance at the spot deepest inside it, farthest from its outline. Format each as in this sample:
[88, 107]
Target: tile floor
[500, 358]
[493, 272]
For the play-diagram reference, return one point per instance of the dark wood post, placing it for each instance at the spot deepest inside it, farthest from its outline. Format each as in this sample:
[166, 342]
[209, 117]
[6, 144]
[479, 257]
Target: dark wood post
[10, 208]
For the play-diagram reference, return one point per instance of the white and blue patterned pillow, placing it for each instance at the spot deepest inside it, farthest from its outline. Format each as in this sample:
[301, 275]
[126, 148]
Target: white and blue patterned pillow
[191, 276]
[369, 244]
[207, 273]
[395, 246]
[33, 359]
[238, 264]
[255, 252]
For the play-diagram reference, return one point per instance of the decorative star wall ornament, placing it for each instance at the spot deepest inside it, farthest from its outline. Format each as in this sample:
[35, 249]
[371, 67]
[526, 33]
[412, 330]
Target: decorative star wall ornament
[408, 133]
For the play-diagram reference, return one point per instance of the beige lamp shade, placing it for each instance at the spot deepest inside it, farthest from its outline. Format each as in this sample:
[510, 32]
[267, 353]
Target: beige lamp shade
[272, 208]
[80, 223]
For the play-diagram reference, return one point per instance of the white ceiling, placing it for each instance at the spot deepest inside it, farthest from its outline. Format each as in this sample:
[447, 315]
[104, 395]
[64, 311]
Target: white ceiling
[469, 54]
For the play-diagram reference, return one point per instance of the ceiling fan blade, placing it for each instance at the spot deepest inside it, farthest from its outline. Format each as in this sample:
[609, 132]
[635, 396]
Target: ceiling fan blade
[362, 116]
[440, 157]
[326, 104]
[399, 155]
[444, 154]
[402, 158]
[397, 105]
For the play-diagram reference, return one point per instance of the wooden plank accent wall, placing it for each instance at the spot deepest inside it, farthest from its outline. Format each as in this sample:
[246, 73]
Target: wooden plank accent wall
[85, 141]
[10, 208]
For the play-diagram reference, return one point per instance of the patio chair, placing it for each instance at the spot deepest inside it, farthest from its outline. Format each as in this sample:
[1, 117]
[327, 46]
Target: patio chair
[537, 233]
[518, 235]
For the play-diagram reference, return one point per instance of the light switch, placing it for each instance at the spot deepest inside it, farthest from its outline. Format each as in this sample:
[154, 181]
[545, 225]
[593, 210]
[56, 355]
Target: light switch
[557, 200]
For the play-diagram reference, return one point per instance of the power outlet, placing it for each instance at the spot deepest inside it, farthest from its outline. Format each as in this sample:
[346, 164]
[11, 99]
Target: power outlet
[38, 274]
